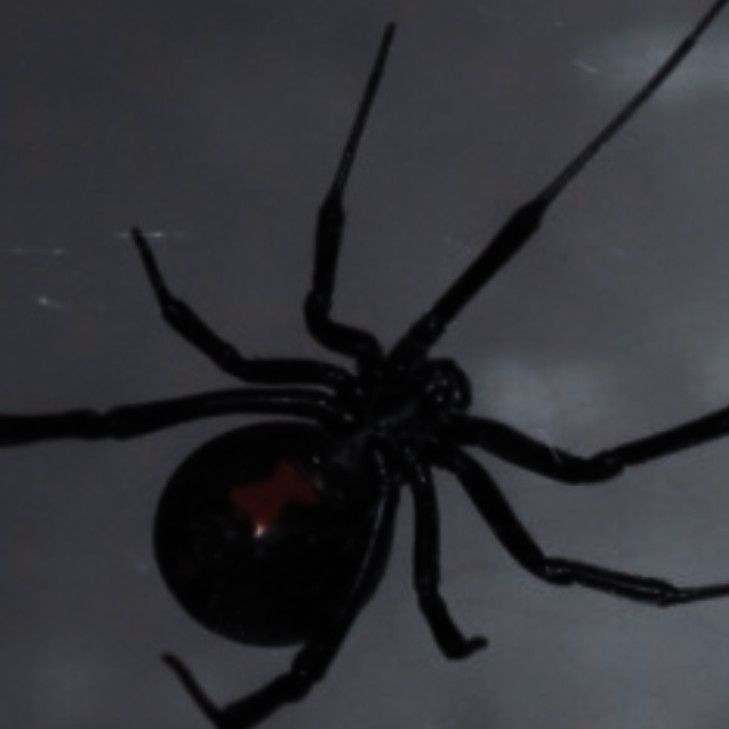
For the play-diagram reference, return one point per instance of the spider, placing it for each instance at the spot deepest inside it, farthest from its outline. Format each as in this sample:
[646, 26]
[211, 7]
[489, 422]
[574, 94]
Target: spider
[278, 533]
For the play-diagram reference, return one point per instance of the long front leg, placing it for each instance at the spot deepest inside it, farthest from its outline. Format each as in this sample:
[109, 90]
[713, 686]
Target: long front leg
[330, 225]
[526, 220]
[522, 450]
[447, 634]
[497, 512]
[311, 663]
[129, 421]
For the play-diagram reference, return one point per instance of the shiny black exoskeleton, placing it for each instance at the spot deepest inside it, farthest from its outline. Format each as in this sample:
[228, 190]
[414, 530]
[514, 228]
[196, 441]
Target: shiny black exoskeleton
[278, 532]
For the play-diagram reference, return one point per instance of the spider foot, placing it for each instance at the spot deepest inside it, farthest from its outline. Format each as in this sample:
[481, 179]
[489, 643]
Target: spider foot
[247, 712]
[453, 644]
[193, 688]
[467, 647]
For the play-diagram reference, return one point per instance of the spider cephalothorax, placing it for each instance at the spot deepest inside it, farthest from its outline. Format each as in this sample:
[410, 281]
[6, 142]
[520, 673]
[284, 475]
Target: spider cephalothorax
[408, 403]
[278, 532]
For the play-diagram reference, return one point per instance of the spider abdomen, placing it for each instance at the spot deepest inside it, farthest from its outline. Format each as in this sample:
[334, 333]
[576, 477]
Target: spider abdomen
[258, 533]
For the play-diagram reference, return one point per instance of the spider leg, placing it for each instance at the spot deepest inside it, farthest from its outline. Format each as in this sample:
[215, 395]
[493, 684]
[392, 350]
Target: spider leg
[338, 337]
[520, 449]
[313, 660]
[189, 325]
[515, 447]
[129, 421]
[450, 640]
[497, 512]
[525, 220]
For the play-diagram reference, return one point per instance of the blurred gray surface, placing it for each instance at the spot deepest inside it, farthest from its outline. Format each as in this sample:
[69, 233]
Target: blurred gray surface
[217, 126]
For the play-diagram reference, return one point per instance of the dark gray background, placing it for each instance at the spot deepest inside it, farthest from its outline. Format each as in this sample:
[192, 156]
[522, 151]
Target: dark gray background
[217, 127]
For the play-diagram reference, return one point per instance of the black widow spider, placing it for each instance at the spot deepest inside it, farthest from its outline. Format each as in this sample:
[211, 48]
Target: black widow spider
[278, 533]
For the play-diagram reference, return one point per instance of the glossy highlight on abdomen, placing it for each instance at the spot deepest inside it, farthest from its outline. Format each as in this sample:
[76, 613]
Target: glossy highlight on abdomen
[252, 536]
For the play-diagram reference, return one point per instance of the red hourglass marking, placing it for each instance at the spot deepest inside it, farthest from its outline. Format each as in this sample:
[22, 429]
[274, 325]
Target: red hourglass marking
[262, 502]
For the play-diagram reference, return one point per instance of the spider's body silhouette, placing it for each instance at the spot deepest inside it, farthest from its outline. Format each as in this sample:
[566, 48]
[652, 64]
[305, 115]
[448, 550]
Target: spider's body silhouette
[278, 532]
